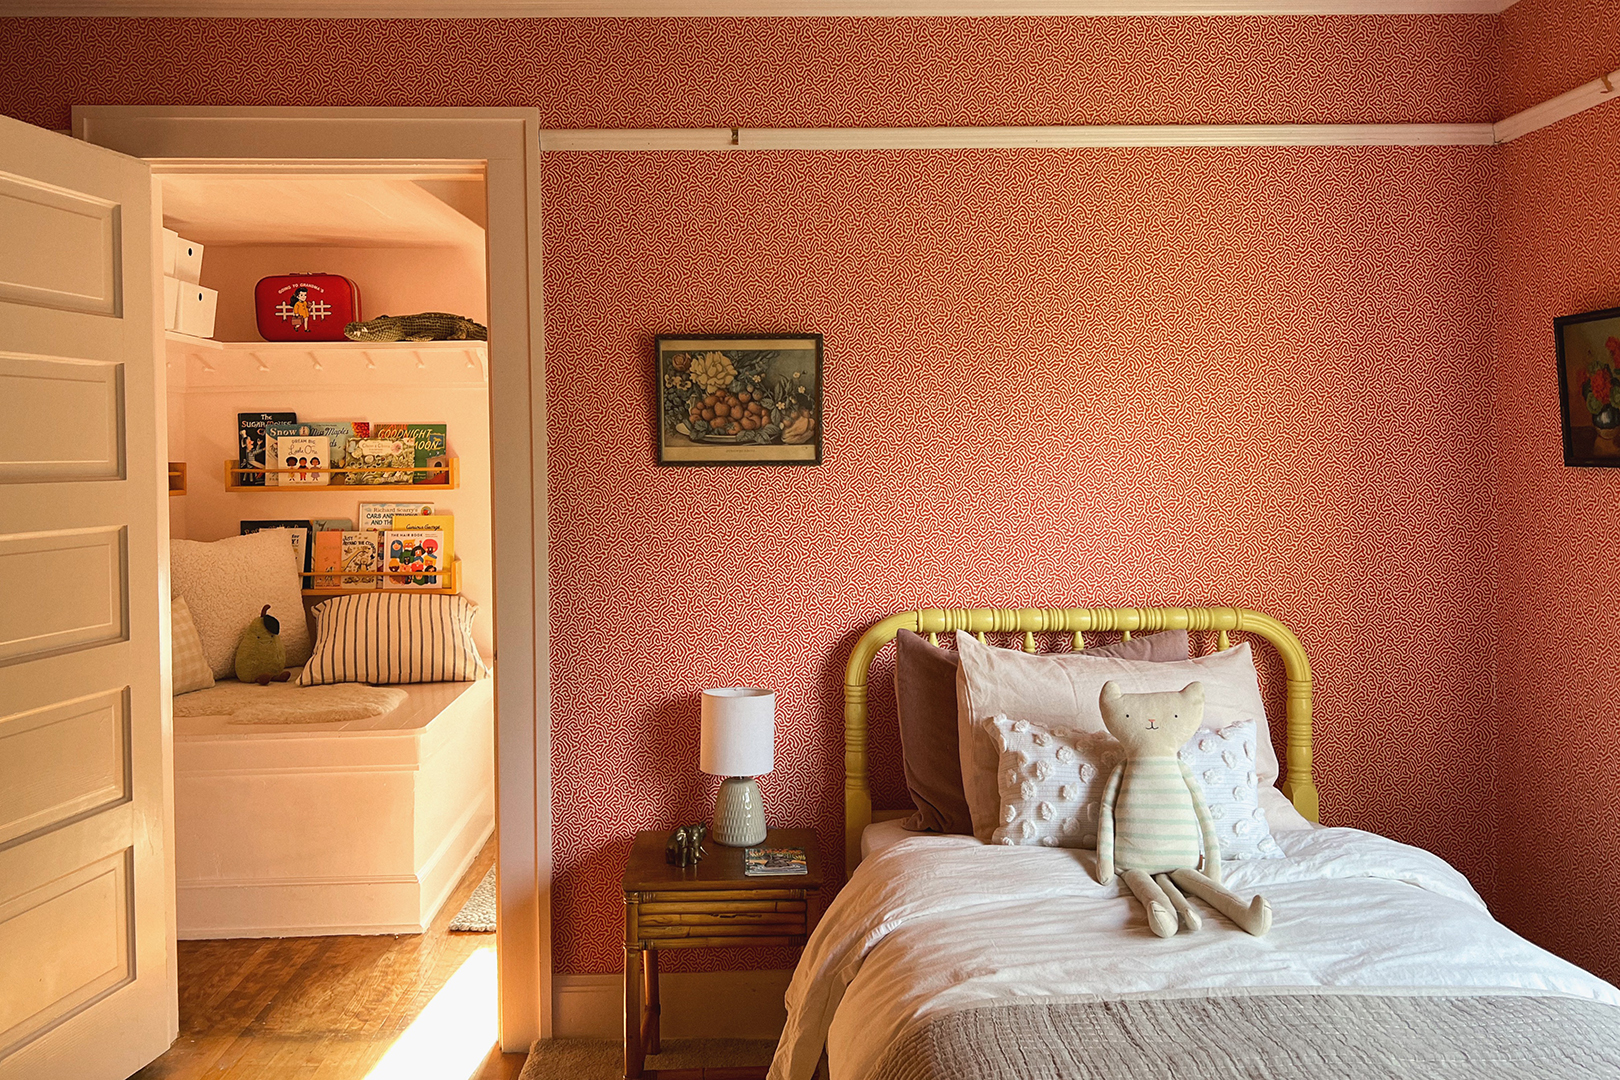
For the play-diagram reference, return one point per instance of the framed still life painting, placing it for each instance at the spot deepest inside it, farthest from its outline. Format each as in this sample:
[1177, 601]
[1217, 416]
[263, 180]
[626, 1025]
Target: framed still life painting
[739, 399]
[1589, 386]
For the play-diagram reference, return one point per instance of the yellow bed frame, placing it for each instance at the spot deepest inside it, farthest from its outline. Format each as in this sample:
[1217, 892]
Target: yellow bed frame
[1297, 784]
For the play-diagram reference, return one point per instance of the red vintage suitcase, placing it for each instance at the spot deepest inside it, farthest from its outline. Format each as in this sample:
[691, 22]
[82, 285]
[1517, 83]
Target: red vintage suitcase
[305, 307]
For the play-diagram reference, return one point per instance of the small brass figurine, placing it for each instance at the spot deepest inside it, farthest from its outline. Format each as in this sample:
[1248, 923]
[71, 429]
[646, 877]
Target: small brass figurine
[685, 845]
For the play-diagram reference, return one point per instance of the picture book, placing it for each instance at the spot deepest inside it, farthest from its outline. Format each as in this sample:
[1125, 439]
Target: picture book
[303, 537]
[442, 522]
[432, 449]
[250, 438]
[361, 560]
[272, 451]
[379, 516]
[304, 455]
[332, 524]
[339, 433]
[774, 862]
[328, 557]
[412, 559]
[387, 456]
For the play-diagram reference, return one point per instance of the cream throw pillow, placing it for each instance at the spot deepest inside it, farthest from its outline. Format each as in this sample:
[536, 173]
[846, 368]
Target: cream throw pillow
[1051, 784]
[1060, 690]
[188, 666]
[227, 582]
[394, 637]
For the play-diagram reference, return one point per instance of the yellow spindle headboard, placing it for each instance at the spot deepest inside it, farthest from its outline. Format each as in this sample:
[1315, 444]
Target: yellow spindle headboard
[1297, 782]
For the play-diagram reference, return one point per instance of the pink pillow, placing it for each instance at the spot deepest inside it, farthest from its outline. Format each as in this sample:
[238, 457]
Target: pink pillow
[925, 695]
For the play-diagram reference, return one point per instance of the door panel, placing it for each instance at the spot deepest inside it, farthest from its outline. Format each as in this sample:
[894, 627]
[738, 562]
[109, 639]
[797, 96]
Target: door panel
[86, 829]
[60, 419]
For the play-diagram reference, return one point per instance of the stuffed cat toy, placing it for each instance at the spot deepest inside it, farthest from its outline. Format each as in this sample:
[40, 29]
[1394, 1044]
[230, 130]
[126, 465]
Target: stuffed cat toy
[1153, 813]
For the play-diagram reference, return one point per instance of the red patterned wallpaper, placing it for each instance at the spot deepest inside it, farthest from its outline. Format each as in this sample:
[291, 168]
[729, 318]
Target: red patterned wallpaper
[1559, 681]
[776, 72]
[1149, 376]
[1550, 46]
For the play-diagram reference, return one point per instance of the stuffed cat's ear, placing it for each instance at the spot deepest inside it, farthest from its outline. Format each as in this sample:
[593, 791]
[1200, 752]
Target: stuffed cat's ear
[1111, 691]
[1194, 691]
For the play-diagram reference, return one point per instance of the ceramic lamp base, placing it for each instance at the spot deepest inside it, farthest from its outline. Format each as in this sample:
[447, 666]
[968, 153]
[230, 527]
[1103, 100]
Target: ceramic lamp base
[739, 815]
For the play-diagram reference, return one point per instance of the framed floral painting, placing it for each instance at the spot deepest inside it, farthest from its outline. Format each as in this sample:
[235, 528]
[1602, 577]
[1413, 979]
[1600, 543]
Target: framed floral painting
[739, 399]
[1589, 386]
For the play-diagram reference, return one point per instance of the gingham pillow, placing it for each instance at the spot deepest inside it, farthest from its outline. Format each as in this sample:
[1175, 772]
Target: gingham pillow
[394, 637]
[187, 663]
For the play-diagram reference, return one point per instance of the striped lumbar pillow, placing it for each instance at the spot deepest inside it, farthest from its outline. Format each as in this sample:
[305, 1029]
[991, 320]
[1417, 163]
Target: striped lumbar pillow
[394, 637]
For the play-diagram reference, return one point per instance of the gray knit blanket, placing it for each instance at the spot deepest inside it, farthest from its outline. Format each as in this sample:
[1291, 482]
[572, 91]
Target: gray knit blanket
[1266, 1037]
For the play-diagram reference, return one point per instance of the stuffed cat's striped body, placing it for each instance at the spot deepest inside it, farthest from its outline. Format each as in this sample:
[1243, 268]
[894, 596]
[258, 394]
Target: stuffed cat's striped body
[1156, 825]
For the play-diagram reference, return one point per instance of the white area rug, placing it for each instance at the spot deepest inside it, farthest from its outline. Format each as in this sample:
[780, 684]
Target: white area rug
[285, 703]
[477, 915]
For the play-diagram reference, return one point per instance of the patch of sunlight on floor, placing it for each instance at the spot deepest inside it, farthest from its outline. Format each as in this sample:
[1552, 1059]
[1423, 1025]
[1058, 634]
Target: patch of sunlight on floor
[454, 1034]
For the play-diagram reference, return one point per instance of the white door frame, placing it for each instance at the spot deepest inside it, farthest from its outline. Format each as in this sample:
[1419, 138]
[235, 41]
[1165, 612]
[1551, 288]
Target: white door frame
[508, 140]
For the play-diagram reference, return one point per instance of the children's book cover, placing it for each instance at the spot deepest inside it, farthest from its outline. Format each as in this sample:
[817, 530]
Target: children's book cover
[386, 457]
[444, 523]
[339, 434]
[305, 458]
[250, 438]
[432, 449]
[329, 557]
[379, 516]
[412, 558]
[332, 524]
[362, 560]
[303, 536]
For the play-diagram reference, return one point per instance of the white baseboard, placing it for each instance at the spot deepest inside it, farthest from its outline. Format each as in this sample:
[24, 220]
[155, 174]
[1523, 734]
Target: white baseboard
[696, 1005]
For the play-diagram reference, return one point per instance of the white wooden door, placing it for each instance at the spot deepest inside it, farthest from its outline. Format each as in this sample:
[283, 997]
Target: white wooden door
[87, 958]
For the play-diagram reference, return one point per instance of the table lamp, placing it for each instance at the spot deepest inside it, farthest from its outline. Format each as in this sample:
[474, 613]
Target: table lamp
[738, 743]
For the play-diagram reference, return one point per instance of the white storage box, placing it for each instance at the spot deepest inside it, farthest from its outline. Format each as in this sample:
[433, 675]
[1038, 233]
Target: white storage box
[171, 301]
[182, 258]
[195, 312]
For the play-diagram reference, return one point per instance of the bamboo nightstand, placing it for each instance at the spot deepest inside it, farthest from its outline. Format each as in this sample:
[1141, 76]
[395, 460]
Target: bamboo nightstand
[704, 906]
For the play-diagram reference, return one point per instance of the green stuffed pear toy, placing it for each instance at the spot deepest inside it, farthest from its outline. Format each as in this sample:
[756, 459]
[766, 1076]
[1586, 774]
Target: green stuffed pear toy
[261, 657]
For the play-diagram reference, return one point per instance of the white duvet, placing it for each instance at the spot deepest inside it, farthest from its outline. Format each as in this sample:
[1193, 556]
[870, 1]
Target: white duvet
[940, 923]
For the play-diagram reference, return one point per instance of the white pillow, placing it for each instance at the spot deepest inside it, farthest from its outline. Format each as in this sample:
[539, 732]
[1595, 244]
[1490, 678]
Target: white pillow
[227, 583]
[1223, 762]
[188, 666]
[1061, 690]
[1051, 783]
[394, 637]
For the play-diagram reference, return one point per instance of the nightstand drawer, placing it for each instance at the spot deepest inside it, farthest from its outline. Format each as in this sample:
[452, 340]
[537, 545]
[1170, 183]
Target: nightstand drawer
[690, 920]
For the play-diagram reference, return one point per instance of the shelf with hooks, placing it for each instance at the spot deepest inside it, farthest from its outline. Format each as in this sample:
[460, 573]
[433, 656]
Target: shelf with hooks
[200, 362]
[234, 474]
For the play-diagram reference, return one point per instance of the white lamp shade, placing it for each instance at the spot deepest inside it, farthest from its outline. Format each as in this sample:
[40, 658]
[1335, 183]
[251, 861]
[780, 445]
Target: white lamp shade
[738, 732]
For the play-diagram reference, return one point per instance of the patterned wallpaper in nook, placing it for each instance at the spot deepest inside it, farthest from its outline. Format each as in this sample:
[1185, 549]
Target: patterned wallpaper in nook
[1065, 377]
[1550, 46]
[1559, 681]
[776, 72]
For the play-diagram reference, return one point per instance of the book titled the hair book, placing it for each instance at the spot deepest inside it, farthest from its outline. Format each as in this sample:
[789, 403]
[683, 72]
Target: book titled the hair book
[774, 862]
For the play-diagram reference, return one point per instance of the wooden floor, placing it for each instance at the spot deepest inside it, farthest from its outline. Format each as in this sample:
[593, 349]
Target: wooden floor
[316, 1008]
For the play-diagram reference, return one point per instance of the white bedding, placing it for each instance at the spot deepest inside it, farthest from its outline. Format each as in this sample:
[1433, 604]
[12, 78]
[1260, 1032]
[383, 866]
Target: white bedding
[942, 922]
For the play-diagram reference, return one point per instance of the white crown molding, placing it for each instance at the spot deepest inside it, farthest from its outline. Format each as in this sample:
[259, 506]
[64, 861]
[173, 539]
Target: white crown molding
[1599, 91]
[1012, 138]
[555, 9]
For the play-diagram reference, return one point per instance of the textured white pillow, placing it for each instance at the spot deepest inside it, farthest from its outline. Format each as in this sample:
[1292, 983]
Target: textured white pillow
[188, 666]
[227, 583]
[1051, 782]
[1064, 689]
[394, 637]
[1223, 761]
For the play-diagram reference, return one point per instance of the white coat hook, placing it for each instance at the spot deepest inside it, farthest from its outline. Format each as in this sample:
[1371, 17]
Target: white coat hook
[262, 365]
[371, 363]
[206, 366]
[316, 361]
[421, 364]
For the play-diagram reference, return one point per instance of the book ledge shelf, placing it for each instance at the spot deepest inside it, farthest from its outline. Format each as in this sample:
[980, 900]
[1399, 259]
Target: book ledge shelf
[449, 582]
[234, 474]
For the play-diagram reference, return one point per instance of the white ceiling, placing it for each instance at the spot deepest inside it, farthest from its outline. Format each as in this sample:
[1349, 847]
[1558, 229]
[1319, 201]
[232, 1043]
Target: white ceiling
[735, 8]
[372, 211]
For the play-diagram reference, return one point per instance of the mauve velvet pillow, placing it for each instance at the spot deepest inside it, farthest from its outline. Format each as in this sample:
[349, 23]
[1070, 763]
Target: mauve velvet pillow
[925, 694]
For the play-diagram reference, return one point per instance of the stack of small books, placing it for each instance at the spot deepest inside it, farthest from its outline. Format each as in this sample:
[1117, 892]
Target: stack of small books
[774, 862]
